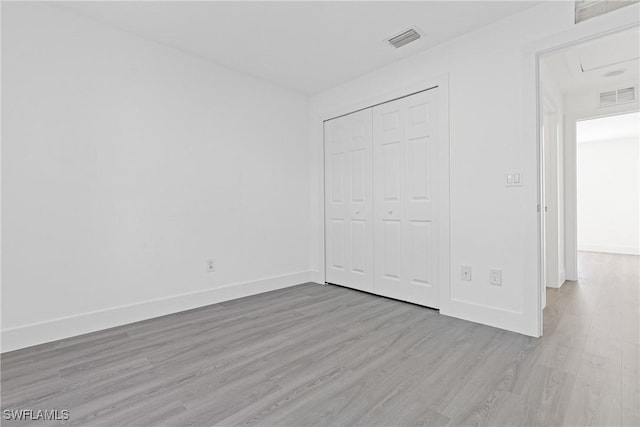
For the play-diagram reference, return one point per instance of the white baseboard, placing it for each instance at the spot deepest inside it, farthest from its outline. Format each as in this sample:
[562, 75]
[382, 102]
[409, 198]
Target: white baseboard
[316, 276]
[561, 280]
[623, 250]
[497, 317]
[39, 333]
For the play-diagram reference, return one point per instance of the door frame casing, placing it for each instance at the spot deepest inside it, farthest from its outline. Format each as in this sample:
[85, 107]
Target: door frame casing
[444, 240]
[552, 115]
[531, 98]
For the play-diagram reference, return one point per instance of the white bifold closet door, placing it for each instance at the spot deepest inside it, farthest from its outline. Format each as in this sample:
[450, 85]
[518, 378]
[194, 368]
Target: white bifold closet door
[405, 157]
[380, 199]
[348, 201]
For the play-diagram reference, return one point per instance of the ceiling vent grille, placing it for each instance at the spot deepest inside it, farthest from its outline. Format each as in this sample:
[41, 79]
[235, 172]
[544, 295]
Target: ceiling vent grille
[626, 95]
[620, 96]
[587, 9]
[404, 38]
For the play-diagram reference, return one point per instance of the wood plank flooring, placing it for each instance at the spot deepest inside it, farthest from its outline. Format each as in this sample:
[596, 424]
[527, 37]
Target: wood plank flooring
[315, 355]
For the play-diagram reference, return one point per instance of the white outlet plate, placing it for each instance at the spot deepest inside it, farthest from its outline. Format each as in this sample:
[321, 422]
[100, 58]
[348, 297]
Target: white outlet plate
[211, 265]
[465, 273]
[495, 277]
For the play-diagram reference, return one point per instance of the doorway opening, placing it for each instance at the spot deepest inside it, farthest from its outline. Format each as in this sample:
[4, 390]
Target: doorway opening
[589, 182]
[608, 184]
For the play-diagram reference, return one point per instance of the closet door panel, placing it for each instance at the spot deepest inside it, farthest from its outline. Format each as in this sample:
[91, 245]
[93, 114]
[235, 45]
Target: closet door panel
[405, 166]
[348, 201]
[388, 154]
[336, 202]
[390, 250]
[420, 208]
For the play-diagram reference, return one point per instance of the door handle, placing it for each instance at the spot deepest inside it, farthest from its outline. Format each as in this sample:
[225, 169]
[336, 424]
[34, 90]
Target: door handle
[357, 212]
[390, 211]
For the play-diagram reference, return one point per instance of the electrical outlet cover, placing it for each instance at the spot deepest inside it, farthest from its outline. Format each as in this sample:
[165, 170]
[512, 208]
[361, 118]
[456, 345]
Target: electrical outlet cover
[495, 277]
[465, 273]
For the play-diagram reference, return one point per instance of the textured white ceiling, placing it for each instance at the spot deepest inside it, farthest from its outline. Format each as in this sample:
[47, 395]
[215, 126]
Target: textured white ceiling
[305, 46]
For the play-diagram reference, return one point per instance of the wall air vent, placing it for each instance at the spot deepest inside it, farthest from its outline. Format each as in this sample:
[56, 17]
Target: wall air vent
[405, 37]
[615, 97]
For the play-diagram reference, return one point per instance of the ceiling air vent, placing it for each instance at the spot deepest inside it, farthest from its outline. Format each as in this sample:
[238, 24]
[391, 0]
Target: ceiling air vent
[587, 9]
[608, 98]
[627, 94]
[404, 38]
[620, 96]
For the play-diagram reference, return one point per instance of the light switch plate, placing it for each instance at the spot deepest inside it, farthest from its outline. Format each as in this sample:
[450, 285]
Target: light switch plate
[513, 179]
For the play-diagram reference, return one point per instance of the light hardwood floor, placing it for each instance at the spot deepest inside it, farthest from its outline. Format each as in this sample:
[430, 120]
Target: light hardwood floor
[325, 355]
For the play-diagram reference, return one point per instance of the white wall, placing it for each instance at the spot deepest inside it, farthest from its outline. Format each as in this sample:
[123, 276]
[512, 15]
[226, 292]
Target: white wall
[126, 164]
[609, 196]
[491, 225]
